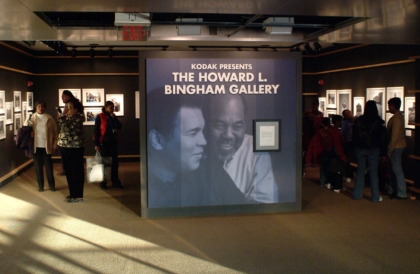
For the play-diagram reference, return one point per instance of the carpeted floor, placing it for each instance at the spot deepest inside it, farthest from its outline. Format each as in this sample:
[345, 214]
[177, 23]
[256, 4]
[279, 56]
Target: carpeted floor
[40, 233]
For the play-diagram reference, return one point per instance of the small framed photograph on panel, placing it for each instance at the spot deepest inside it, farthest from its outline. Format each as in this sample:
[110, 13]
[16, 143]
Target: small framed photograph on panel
[30, 100]
[322, 104]
[76, 93]
[93, 97]
[377, 95]
[118, 100]
[395, 92]
[17, 101]
[2, 101]
[90, 114]
[343, 100]
[331, 99]
[9, 113]
[2, 127]
[410, 112]
[359, 106]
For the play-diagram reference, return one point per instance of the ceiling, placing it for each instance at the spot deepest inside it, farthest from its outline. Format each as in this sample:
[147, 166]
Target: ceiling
[236, 24]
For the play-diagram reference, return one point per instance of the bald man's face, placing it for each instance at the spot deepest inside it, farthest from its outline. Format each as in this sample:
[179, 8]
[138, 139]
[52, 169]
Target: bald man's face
[228, 126]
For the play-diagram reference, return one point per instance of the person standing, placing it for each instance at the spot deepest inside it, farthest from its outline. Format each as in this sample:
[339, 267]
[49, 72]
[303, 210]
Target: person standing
[105, 138]
[45, 135]
[395, 129]
[369, 138]
[71, 141]
[347, 130]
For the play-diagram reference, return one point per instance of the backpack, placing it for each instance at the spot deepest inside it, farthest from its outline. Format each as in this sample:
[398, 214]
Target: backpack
[365, 135]
[327, 140]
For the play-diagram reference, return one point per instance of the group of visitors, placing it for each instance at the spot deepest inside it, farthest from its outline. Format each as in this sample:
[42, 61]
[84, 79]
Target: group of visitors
[364, 139]
[70, 139]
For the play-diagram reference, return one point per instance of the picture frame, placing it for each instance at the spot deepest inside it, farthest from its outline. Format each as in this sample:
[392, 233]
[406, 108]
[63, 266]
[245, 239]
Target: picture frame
[343, 100]
[93, 97]
[359, 106]
[2, 127]
[17, 122]
[377, 95]
[9, 113]
[331, 112]
[331, 98]
[17, 101]
[90, 114]
[395, 92]
[266, 135]
[2, 101]
[30, 100]
[322, 104]
[24, 111]
[137, 104]
[118, 100]
[410, 112]
[75, 91]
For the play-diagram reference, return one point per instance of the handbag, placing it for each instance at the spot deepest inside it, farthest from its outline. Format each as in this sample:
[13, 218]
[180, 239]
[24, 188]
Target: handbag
[95, 168]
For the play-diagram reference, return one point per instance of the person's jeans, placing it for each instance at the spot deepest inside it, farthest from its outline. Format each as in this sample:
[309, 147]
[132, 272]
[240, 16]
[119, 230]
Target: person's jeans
[371, 156]
[397, 184]
[41, 159]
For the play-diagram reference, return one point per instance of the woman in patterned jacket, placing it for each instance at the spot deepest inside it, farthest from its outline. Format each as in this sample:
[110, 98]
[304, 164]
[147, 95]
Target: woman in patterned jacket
[71, 141]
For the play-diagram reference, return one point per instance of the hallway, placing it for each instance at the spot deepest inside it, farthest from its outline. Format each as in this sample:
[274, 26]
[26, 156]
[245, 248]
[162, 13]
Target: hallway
[40, 233]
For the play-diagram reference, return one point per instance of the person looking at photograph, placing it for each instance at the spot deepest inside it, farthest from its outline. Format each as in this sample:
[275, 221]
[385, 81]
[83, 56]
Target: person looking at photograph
[44, 132]
[250, 171]
[105, 138]
[397, 143]
[71, 141]
[175, 148]
[369, 138]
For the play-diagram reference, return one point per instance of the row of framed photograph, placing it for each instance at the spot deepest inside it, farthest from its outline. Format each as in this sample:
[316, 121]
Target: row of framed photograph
[338, 100]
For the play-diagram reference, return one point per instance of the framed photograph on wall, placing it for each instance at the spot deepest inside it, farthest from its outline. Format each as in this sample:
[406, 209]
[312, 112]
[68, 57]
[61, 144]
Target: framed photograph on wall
[30, 100]
[410, 112]
[9, 113]
[118, 100]
[93, 97]
[322, 104]
[17, 101]
[2, 101]
[343, 100]
[24, 111]
[18, 122]
[266, 135]
[331, 99]
[137, 98]
[359, 105]
[76, 93]
[395, 92]
[377, 95]
[2, 127]
[90, 114]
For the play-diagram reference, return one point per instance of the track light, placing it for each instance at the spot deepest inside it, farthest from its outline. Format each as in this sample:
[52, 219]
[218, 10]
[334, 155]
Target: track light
[110, 53]
[91, 53]
[308, 48]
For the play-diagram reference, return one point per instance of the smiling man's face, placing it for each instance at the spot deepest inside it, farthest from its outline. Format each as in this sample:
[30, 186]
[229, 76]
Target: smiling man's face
[228, 125]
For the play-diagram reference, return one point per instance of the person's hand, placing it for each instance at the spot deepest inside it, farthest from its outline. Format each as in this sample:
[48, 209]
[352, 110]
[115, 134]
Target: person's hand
[97, 148]
[32, 134]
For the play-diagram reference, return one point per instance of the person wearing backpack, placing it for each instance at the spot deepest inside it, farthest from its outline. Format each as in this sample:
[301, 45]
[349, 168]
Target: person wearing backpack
[397, 143]
[324, 148]
[369, 139]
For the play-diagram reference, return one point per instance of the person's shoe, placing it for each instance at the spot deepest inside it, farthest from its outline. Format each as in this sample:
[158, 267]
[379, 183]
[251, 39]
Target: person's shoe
[118, 186]
[68, 197]
[74, 200]
[348, 180]
[328, 186]
[336, 190]
[41, 190]
[103, 187]
[380, 199]
[398, 198]
[61, 173]
[52, 189]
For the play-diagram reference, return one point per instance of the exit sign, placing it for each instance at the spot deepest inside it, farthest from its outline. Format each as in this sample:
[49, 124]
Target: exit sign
[134, 33]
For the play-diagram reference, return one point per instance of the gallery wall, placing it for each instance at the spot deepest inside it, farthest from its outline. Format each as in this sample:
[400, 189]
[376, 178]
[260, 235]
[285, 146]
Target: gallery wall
[366, 67]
